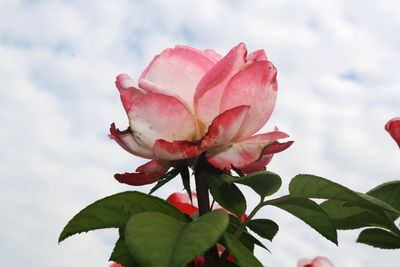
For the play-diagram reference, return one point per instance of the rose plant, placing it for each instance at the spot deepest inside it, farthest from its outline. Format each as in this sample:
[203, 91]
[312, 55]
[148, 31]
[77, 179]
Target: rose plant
[196, 111]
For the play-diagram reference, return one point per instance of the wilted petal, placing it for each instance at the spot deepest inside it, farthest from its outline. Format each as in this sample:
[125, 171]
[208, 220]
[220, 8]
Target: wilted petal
[176, 72]
[256, 86]
[145, 174]
[128, 90]
[225, 127]
[175, 150]
[155, 116]
[393, 127]
[209, 90]
[241, 154]
[126, 141]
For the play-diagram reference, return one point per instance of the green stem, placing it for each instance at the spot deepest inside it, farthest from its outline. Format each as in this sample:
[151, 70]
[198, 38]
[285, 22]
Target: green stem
[243, 225]
[201, 169]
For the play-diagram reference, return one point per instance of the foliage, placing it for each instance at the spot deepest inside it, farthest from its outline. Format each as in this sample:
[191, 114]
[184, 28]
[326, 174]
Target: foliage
[153, 232]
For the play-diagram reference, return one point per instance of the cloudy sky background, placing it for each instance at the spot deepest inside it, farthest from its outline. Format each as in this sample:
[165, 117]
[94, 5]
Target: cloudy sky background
[338, 72]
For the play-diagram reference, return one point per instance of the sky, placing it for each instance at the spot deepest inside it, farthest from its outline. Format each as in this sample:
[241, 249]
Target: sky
[338, 84]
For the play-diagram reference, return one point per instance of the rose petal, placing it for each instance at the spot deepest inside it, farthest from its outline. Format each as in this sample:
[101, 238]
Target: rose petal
[182, 202]
[276, 147]
[303, 262]
[256, 86]
[128, 90]
[155, 116]
[126, 141]
[258, 55]
[213, 54]
[209, 90]
[241, 154]
[322, 262]
[154, 166]
[224, 127]
[145, 174]
[175, 150]
[393, 128]
[176, 72]
[265, 159]
[182, 198]
[316, 262]
[258, 165]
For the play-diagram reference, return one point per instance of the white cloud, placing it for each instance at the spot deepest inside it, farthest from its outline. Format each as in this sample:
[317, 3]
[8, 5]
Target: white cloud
[338, 85]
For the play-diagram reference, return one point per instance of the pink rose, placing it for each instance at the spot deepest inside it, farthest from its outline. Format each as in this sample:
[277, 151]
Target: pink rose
[393, 127]
[189, 101]
[115, 265]
[316, 262]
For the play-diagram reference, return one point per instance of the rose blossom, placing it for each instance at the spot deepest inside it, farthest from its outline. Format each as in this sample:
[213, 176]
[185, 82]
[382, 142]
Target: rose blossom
[189, 101]
[393, 127]
[316, 262]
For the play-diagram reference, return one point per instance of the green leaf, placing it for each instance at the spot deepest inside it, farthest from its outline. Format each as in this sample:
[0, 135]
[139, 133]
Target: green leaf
[389, 193]
[165, 178]
[244, 256]
[379, 238]
[264, 228]
[114, 211]
[121, 254]
[246, 238]
[227, 195]
[263, 183]
[155, 239]
[310, 186]
[309, 212]
[345, 218]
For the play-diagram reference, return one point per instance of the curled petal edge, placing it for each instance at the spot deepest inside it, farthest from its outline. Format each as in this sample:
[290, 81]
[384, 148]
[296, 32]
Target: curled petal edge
[126, 140]
[266, 157]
